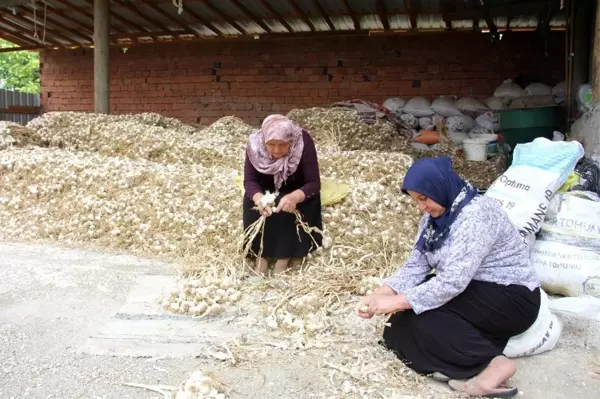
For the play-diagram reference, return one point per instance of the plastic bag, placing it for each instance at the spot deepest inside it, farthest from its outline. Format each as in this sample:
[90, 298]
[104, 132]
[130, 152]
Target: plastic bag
[458, 137]
[538, 89]
[538, 170]
[471, 106]
[410, 120]
[566, 255]
[426, 123]
[541, 337]
[418, 106]
[420, 146]
[589, 172]
[494, 103]
[509, 89]
[584, 307]
[459, 123]
[445, 106]
[488, 121]
[559, 92]
[477, 131]
[395, 105]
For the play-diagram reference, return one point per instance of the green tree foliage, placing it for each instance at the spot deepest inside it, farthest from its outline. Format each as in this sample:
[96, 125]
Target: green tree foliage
[19, 70]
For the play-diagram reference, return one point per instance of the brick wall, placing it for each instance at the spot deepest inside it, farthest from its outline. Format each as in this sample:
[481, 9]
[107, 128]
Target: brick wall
[200, 82]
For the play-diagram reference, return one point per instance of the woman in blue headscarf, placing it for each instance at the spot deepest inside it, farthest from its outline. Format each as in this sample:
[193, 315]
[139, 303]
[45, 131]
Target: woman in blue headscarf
[466, 288]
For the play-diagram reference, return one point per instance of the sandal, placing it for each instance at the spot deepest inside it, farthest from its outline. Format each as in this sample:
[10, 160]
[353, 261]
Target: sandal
[468, 388]
[439, 377]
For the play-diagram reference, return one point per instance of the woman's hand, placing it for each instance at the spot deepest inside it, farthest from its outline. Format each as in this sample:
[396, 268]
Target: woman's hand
[362, 310]
[264, 211]
[287, 203]
[375, 305]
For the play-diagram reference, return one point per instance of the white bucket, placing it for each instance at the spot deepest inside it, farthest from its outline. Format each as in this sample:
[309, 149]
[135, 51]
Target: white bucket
[476, 149]
[492, 142]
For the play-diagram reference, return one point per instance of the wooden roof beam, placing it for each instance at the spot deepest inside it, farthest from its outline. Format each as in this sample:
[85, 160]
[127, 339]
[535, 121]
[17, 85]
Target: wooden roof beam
[352, 14]
[69, 6]
[17, 38]
[383, 14]
[51, 10]
[185, 28]
[20, 48]
[127, 23]
[60, 25]
[251, 16]
[276, 15]
[24, 24]
[324, 15]
[224, 17]
[153, 35]
[199, 18]
[412, 14]
[144, 17]
[302, 15]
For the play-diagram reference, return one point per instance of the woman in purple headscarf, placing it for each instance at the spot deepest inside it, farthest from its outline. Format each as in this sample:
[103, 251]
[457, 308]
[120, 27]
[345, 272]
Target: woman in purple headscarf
[281, 157]
[467, 287]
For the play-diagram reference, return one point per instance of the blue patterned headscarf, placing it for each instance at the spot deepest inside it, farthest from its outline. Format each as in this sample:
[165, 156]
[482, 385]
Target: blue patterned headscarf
[435, 179]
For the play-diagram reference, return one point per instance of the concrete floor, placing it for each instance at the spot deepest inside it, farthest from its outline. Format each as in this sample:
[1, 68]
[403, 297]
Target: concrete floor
[53, 300]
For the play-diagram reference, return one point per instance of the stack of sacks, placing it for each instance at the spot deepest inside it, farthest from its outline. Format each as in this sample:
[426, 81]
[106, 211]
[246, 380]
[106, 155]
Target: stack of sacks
[417, 113]
[509, 95]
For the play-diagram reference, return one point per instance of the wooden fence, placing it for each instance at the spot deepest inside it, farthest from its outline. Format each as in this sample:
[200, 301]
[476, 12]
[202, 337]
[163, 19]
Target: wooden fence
[18, 107]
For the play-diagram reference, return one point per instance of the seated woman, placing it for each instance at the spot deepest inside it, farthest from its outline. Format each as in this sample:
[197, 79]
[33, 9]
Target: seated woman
[281, 157]
[466, 288]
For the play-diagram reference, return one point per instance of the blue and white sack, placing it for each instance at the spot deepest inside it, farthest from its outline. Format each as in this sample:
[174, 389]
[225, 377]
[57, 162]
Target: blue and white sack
[538, 170]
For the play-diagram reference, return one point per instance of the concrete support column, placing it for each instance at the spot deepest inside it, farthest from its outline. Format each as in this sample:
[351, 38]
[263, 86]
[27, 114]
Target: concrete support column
[101, 57]
[596, 66]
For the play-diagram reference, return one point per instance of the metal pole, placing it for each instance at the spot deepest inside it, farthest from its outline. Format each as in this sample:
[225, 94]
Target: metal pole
[101, 57]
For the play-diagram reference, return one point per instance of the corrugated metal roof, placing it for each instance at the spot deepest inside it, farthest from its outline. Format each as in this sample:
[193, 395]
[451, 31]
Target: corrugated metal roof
[430, 21]
[400, 22]
[70, 22]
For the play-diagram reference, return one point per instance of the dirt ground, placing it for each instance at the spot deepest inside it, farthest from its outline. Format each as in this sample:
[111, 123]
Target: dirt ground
[53, 300]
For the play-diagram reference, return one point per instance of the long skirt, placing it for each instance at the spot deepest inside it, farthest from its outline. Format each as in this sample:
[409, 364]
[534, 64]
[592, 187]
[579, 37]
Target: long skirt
[282, 239]
[460, 338]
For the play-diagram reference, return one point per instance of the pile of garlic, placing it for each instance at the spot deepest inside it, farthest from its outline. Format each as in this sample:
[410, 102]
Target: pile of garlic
[145, 136]
[302, 314]
[206, 297]
[199, 386]
[6, 138]
[369, 284]
[117, 203]
[344, 128]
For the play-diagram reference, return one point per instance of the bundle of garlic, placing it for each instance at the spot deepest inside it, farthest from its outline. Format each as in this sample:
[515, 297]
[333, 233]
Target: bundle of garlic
[369, 284]
[289, 322]
[200, 386]
[344, 128]
[205, 297]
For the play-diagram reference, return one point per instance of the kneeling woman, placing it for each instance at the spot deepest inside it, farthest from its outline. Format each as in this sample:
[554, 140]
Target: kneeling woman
[467, 287]
[281, 157]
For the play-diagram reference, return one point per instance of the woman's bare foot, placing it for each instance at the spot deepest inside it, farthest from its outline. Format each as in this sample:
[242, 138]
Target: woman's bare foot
[491, 382]
[281, 266]
[262, 267]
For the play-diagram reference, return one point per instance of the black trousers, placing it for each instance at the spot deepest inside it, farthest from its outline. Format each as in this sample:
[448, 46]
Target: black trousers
[460, 338]
[282, 240]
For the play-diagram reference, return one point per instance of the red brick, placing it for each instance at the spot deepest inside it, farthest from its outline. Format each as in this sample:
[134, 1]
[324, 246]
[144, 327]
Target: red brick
[258, 78]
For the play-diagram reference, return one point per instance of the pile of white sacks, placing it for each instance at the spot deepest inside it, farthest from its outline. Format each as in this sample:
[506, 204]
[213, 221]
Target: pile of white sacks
[469, 117]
